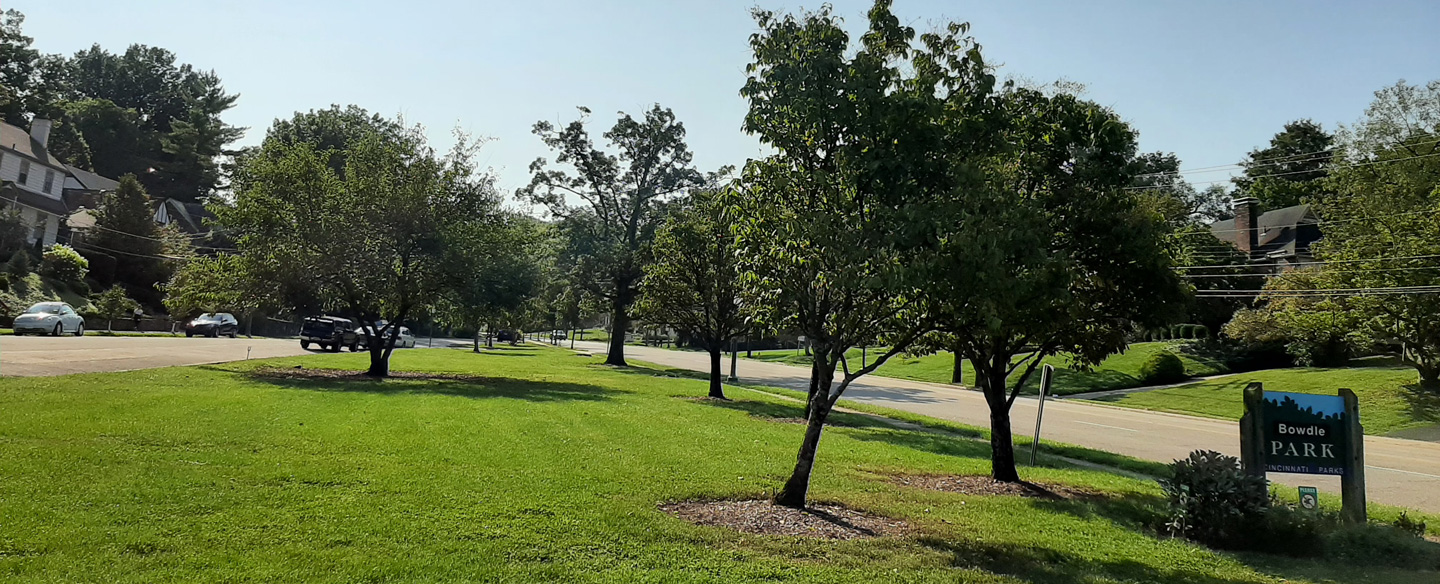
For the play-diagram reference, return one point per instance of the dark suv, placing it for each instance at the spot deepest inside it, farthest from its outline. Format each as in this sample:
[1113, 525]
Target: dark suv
[213, 324]
[329, 332]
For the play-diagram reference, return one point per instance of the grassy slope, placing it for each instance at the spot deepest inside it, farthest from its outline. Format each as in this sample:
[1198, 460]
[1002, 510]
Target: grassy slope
[33, 288]
[1388, 399]
[549, 470]
[1118, 372]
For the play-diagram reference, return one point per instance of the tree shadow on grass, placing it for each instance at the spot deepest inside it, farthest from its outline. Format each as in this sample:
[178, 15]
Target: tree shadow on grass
[405, 382]
[789, 412]
[1044, 565]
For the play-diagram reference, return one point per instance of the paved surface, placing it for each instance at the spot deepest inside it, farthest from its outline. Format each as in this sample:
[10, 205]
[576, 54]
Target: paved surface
[40, 356]
[1398, 472]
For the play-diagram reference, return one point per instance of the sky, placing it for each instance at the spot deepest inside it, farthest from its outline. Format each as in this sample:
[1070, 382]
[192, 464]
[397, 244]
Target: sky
[1209, 81]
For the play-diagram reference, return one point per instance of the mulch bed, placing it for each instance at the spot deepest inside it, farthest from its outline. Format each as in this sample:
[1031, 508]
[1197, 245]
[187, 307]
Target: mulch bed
[984, 485]
[352, 375]
[764, 517]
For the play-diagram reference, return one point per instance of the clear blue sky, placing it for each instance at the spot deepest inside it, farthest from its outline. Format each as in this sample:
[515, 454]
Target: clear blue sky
[1206, 80]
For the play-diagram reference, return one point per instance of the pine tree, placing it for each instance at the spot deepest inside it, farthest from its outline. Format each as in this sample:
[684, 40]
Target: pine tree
[125, 230]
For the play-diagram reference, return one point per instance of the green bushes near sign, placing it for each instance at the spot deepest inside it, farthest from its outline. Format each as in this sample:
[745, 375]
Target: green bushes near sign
[1212, 501]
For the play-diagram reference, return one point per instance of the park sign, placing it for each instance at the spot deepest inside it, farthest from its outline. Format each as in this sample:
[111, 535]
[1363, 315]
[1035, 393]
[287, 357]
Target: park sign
[1305, 433]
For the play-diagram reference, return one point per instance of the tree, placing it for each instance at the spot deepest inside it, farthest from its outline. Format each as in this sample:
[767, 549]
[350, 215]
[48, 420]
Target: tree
[14, 230]
[1055, 256]
[1316, 330]
[125, 230]
[114, 303]
[1382, 228]
[693, 285]
[369, 242]
[1292, 169]
[832, 228]
[494, 267]
[63, 263]
[624, 197]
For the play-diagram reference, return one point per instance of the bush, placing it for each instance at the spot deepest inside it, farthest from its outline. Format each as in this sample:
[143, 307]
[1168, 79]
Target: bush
[1381, 545]
[63, 263]
[1406, 524]
[1291, 531]
[19, 264]
[1212, 501]
[1163, 367]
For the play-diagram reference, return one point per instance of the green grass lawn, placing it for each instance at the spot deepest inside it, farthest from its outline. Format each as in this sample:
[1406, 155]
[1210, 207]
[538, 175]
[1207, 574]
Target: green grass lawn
[1389, 400]
[1117, 372]
[528, 465]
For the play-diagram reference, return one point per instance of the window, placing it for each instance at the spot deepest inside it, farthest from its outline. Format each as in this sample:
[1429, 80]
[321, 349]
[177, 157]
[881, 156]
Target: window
[49, 180]
[24, 172]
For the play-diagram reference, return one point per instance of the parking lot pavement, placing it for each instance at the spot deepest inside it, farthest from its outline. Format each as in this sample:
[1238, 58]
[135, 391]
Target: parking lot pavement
[44, 356]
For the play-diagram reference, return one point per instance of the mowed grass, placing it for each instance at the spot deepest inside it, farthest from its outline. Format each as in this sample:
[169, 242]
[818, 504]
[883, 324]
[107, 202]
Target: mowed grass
[1390, 402]
[1120, 371]
[548, 468]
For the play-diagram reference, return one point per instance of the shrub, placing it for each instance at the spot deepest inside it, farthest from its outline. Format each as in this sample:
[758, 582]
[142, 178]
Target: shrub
[63, 263]
[1406, 524]
[19, 264]
[1381, 545]
[1163, 367]
[1291, 531]
[1212, 501]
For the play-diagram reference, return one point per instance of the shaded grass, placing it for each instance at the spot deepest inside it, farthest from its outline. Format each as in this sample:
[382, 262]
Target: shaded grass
[1120, 371]
[1390, 400]
[547, 468]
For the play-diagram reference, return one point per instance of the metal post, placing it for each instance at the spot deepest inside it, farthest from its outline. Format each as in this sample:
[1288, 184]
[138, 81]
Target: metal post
[733, 358]
[1252, 431]
[1046, 375]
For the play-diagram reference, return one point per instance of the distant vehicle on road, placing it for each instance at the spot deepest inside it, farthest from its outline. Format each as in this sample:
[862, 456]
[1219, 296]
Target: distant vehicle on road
[54, 318]
[505, 335]
[329, 332]
[213, 324]
[405, 339]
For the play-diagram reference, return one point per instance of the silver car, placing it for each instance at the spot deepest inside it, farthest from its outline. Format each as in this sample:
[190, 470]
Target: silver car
[55, 318]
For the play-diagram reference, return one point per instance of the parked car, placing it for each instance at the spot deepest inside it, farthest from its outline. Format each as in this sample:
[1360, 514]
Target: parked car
[329, 332]
[55, 318]
[505, 335]
[405, 340]
[213, 324]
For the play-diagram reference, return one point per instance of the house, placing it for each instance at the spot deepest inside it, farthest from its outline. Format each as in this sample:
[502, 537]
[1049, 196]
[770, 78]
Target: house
[1274, 240]
[189, 217]
[32, 181]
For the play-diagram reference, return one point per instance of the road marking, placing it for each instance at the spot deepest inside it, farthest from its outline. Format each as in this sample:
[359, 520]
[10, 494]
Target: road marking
[1105, 426]
[1404, 471]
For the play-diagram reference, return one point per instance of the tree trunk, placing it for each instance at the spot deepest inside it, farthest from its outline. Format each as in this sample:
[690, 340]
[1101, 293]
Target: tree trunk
[957, 375]
[477, 340]
[1002, 445]
[717, 390]
[379, 358]
[797, 488]
[1429, 378]
[619, 322]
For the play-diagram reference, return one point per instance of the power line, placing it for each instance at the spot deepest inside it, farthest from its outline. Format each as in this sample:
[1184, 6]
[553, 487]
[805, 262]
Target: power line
[1330, 222]
[1252, 163]
[1261, 275]
[1320, 292]
[1327, 169]
[1296, 265]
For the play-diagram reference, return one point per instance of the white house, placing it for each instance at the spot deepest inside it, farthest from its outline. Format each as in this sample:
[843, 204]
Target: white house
[31, 180]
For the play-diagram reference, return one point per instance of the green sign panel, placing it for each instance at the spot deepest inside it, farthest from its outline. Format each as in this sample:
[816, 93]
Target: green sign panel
[1309, 498]
[1305, 433]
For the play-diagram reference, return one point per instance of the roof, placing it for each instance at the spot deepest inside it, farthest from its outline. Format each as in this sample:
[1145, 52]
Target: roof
[1278, 230]
[81, 219]
[91, 181]
[10, 192]
[190, 216]
[18, 139]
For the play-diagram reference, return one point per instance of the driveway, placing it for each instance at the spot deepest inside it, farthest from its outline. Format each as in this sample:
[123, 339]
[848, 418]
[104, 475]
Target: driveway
[1398, 472]
[43, 356]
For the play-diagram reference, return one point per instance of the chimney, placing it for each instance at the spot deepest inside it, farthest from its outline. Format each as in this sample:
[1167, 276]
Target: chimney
[1247, 235]
[40, 131]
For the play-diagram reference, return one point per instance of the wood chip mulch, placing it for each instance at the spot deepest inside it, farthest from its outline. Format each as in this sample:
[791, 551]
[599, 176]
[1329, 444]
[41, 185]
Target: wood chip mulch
[352, 375]
[764, 517]
[984, 485]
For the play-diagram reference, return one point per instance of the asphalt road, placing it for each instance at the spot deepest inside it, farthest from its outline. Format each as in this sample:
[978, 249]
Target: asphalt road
[1398, 472]
[30, 356]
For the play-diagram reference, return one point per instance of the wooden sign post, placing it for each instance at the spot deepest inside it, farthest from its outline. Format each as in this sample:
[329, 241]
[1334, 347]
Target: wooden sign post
[1306, 434]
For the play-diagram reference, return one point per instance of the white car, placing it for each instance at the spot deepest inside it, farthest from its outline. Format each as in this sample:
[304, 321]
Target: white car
[404, 340]
[53, 318]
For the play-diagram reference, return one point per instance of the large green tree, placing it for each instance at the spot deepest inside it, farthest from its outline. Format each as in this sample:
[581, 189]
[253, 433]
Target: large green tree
[371, 242]
[693, 285]
[835, 226]
[125, 245]
[610, 204]
[495, 267]
[1292, 169]
[1382, 229]
[1056, 255]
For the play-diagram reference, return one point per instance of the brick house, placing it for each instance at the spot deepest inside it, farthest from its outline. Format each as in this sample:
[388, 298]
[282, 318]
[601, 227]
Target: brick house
[1275, 240]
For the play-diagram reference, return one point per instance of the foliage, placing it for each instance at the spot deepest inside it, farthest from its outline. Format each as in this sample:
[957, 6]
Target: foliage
[63, 263]
[1315, 330]
[114, 303]
[693, 285]
[1415, 527]
[832, 226]
[1385, 231]
[125, 231]
[1212, 501]
[624, 197]
[1292, 170]
[19, 264]
[370, 242]
[495, 268]
[1162, 368]
[218, 283]
[1381, 545]
[14, 231]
